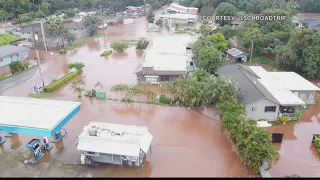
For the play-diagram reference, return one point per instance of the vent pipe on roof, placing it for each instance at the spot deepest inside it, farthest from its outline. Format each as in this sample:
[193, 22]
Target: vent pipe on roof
[254, 82]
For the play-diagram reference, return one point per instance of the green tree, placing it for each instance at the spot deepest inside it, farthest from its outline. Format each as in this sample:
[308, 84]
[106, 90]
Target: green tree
[219, 42]
[209, 58]
[206, 11]
[3, 15]
[91, 23]
[252, 36]
[225, 9]
[201, 43]
[98, 86]
[119, 46]
[205, 29]
[54, 28]
[142, 44]
[312, 6]
[228, 31]
[45, 7]
[150, 17]
[77, 86]
[85, 4]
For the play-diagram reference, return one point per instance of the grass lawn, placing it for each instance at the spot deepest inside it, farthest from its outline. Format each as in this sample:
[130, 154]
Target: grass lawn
[41, 95]
[96, 36]
[7, 77]
[179, 31]
[74, 45]
[263, 61]
[7, 39]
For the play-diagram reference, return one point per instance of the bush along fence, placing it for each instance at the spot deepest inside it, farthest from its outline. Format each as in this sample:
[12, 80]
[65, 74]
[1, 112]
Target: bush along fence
[57, 84]
[253, 144]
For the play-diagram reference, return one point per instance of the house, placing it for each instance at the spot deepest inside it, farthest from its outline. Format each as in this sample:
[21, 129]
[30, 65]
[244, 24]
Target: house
[26, 33]
[76, 27]
[310, 20]
[176, 8]
[237, 56]
[82, 15]
[166, 59]
[270, 95]
[10, 53]
[114, 143]
[181, 19]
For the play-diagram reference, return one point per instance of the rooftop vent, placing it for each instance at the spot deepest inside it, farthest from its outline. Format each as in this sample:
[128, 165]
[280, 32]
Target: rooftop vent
[254, 82]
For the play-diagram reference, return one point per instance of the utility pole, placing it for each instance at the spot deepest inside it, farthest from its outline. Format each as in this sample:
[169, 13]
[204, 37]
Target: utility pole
[43, 36]
[38, 57]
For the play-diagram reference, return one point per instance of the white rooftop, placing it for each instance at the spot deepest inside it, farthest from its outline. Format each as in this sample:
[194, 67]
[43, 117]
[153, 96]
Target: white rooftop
[178, 16]
[178, 6]
[34, 113]
[167, 53]
[114, 139]
[282, 84]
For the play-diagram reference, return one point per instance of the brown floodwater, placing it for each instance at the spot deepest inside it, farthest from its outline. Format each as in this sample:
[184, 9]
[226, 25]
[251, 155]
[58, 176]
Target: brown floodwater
[186, 143]
[297, 154]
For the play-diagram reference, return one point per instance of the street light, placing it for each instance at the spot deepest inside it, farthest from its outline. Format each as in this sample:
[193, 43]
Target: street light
[35, 38]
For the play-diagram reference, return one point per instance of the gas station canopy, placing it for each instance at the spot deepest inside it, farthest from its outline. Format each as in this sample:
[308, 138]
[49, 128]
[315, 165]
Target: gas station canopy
[35, 117]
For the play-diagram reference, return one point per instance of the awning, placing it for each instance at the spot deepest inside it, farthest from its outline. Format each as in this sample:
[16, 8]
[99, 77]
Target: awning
[145, 141]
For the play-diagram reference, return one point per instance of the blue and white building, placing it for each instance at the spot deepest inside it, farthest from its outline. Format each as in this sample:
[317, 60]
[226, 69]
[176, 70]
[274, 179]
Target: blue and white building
[10, 53]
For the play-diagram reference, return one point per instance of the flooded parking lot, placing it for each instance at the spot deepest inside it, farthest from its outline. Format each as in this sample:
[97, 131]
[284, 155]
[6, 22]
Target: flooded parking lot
[186, 143]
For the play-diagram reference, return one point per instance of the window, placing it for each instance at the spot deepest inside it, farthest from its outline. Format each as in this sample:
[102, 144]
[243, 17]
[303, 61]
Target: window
[17, 55]
[1, 60]
[270, 109]
[302, 96]
[164, 78]
[151, 79]
[310, 96]
[254, 108]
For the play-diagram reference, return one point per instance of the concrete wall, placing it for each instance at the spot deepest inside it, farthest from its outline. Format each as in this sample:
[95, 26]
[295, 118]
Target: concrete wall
[260, 107]
[171, 77]
[114, 159]
[20, 56]
[309, 97]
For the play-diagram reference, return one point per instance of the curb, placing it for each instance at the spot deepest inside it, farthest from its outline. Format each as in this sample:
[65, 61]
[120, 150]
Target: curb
[22, 80]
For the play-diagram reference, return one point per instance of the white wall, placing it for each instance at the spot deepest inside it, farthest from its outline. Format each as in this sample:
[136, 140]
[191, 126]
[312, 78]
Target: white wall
[260, 107]
[14, 57]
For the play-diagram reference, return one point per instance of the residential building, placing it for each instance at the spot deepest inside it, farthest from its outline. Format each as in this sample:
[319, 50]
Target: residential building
[166, 59]
[76, 27]
[237, 56]
[181, 19]
[270, 95]
[10, 53]
[26, 33]
[114, 143]
[176, 8]
[309, 20]
[82, 15]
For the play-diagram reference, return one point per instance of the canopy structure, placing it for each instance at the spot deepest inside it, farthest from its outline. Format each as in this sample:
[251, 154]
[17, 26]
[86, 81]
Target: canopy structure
[35, 117]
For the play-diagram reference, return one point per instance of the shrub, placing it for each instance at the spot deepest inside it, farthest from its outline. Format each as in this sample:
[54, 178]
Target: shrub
[317, 143]
[284, 119]
[142, 44]
[16, 66]
[69, 12]
[55, 85]
[165, 100]
[94, 92]
[106, 53]
[62, 51]
[2, 77]
[120, 46]
[77, 65]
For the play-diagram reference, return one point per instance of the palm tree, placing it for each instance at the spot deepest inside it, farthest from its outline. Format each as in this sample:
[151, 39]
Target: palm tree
[77, 87]
[98, 86]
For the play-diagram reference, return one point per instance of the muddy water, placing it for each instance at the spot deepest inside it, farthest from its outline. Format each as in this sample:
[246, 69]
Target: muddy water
[297, 154]
[186, 143]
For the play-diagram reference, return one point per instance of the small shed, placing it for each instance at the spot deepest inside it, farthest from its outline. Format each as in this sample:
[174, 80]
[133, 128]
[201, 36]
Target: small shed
[237, 56]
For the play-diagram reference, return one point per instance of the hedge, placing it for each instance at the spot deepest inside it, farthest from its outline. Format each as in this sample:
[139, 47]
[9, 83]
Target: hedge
[57, 84]
[106, 53]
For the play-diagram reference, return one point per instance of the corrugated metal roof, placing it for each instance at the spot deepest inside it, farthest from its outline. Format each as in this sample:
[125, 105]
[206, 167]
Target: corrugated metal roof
[235, 52]
[8, 50]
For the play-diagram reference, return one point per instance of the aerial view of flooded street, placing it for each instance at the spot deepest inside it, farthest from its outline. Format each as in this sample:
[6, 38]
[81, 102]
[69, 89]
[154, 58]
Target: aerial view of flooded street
[131, 89]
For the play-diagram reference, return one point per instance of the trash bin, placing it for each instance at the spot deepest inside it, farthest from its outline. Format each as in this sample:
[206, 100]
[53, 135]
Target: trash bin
[43, 149]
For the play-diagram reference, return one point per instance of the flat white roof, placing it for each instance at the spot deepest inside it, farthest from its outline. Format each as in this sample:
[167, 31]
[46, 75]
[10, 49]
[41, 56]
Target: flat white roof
[178, 6]
[117, 139]
[34, 113]
[167, 53]
[282, 84]
[179, 16]
[294, 81]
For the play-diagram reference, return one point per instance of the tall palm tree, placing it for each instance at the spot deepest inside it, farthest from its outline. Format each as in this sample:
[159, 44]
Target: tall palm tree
[77, 87]
[98, 86]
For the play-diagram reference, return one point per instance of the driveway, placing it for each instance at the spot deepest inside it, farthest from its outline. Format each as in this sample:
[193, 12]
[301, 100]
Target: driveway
[8, 83]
